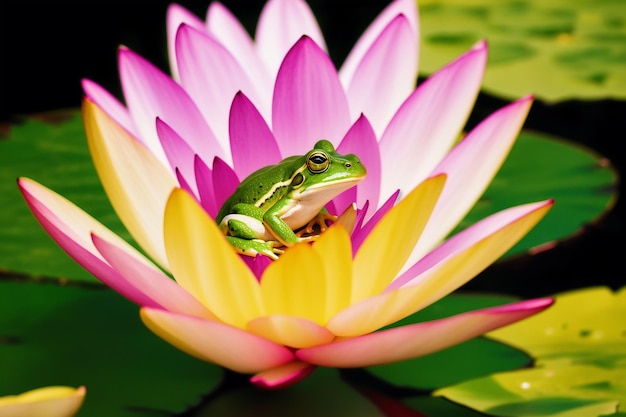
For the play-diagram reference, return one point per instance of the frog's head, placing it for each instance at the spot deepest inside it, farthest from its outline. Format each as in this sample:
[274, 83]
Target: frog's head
[327, 174]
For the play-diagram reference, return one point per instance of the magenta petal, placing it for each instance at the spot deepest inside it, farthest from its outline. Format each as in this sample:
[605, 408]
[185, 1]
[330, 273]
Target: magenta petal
[110, 105]
[361, 140]
[150, 94]
[411, 341]
[361, 233]
[429, 121]
[179, 154]
[212, 77]
[386, 75]
[206, 191]
[257, 265]
[147, 279]
[282, 376]
[225, 181]
[252, 144]
[281, 24]
[184, 184]
[176, 16]
[71, 229]
[309, 102]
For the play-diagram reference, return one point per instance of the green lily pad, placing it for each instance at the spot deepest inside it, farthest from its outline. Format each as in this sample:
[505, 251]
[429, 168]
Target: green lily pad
[584, 327]
[467, 360]
[321, 394]
[582, 184]
[54, 335]
[53, 152]
[575, 391]
[580, 366]
[555, 49]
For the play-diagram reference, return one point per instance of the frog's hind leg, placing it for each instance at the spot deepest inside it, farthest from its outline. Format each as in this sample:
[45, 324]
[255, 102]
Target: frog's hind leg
[253, 247]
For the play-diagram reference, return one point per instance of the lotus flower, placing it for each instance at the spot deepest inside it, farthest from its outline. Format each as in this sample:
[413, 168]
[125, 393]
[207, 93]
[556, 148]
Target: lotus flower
[175, 153]
[43, 402]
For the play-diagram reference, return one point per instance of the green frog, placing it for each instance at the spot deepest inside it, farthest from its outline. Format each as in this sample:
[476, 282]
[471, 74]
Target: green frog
[280, 205]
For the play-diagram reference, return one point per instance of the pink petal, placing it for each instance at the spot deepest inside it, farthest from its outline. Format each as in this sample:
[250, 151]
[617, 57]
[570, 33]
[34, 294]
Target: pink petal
[71, 229]
[225, 181]
[429, 121]
[282, 376]
[206, 191]
[252, 144]
[176, 16]
[407, 342]
[216, 342]
[212, 77]
[464, 240]
[362, 232]
[150, 94]
[145, 278]
[281, 24]
[406, 7]
[361, 141]
[386, 75]
[309, 102]
[227, 30]
[179, 154]
[110, 105]
[470, 167]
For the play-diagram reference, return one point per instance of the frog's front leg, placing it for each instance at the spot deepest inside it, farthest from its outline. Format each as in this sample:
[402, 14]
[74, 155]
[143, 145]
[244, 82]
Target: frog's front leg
[317, 225]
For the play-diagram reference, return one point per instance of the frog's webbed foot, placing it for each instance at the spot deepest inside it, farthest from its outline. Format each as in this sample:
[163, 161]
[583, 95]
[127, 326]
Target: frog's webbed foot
[316, 226]
[254, 247]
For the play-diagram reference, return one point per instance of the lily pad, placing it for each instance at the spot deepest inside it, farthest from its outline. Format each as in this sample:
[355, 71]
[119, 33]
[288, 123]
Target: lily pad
[555, 49]
[585, 327]
[582, 184]
[580, 367]
[467, 360]
[51, 150]
[54, 335]
[575, 391]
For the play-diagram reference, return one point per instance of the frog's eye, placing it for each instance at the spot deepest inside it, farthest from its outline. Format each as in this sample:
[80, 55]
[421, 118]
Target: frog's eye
[318, 162]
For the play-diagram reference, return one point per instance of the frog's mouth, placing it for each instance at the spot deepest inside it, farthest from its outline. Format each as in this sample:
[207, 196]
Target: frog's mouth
[324, 192]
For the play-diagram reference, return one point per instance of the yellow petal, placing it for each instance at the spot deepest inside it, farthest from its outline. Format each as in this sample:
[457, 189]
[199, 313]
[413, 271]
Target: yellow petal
[335, 251]
[386, 249]
[391, 306]
[56, 401]
[136, 183]
[204, 264]
[295, 285]
[290, 331]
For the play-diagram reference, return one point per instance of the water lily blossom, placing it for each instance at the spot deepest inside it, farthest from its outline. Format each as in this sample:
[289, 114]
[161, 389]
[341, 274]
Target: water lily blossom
[54, 401]
[180, 146]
